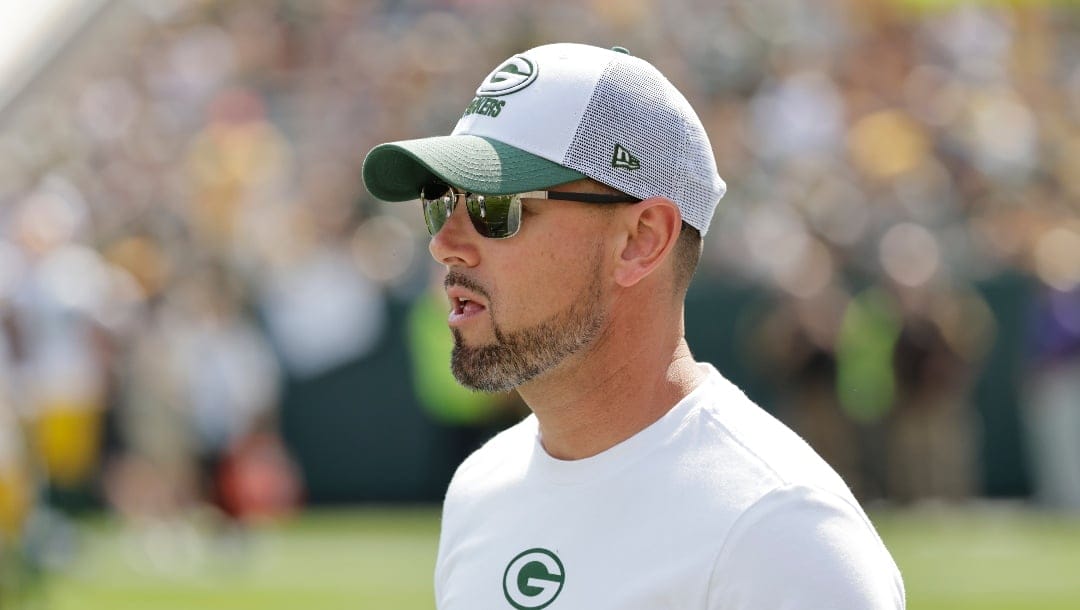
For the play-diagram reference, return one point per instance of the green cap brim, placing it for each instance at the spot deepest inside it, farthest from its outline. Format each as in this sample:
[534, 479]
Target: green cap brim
[395, 171]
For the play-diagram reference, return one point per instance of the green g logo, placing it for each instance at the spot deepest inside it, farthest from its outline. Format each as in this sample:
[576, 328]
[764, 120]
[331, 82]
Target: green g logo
[533, 579]
[517, 73]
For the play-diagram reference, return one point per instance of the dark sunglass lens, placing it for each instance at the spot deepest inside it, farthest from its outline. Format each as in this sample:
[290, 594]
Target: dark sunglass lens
[433, 190]
[495, 215]
[437, 201]
[436, 211]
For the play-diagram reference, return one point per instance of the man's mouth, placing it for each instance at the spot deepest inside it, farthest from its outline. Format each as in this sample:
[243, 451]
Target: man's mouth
[468, 299]
[466, 307]
[463, 307]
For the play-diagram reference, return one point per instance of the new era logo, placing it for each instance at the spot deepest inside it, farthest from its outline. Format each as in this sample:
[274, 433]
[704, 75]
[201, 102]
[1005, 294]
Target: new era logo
[624, 159]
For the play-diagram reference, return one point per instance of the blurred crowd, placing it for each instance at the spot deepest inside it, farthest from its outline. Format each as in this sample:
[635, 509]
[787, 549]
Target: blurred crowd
[182, 225]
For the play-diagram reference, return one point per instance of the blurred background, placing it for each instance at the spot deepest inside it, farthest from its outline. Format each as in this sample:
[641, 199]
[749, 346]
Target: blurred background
[223, 365]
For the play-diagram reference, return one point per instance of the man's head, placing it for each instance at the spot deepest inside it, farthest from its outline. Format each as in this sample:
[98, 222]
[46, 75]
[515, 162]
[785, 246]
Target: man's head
[559, 113]
[574, 170]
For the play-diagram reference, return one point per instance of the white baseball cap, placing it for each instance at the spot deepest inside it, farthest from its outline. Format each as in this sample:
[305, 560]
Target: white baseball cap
[559, 113]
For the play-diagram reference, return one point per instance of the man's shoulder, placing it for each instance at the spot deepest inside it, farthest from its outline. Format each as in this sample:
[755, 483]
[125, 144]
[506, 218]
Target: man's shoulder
[803, 546]
[753, 452]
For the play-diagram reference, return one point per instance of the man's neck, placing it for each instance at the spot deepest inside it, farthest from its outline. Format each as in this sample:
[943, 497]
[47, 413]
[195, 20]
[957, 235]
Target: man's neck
[612, 392]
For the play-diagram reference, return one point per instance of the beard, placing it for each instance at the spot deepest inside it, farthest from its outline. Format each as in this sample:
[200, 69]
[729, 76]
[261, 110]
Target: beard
[519, 356]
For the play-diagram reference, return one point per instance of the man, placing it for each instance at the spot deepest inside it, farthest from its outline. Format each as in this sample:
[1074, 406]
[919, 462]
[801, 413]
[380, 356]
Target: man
[568, 207]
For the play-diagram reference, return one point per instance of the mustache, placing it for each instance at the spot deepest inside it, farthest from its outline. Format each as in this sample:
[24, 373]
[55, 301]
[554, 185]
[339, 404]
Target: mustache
[456, 278]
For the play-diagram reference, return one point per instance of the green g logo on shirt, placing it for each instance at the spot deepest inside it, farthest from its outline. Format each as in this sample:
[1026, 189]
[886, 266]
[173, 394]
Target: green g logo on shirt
[533, 579]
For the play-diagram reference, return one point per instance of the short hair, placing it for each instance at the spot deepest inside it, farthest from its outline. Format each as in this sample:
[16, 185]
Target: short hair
[687, 253]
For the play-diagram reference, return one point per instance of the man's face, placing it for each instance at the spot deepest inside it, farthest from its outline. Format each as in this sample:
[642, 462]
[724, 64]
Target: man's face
[521, 306]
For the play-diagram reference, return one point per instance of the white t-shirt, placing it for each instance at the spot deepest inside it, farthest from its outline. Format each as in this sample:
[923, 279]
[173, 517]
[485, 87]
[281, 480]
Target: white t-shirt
[715, 506]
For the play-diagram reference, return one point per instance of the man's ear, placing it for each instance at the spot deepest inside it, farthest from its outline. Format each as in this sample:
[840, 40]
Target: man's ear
[652, 228]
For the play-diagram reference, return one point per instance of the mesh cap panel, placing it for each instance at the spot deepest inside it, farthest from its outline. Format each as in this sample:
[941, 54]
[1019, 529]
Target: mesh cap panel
[639, 135]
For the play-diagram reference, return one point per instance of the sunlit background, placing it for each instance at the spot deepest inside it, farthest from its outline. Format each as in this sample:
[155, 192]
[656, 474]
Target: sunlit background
[223, 365]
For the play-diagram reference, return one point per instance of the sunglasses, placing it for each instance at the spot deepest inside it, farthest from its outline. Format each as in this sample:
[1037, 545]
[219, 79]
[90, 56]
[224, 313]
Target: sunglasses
[494, 216]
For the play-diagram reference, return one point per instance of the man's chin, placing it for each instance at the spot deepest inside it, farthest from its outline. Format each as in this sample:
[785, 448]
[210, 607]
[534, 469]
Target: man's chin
[507, 360]
[473, 338]
[479, 380]
[484, 368]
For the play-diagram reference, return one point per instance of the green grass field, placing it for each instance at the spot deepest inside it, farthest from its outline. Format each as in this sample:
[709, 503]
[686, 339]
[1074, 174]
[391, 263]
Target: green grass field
[383, 559]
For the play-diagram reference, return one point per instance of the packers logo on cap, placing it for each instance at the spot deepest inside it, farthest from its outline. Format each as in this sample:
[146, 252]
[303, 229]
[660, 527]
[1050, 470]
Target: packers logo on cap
[515, 74]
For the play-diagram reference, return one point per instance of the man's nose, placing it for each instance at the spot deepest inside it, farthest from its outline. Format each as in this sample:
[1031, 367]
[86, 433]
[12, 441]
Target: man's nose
[455, 244]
